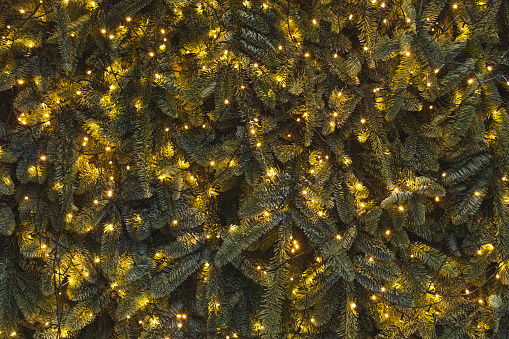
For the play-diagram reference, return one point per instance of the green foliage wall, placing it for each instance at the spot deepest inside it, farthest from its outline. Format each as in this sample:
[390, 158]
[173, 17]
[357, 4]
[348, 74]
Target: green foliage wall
[277, 169]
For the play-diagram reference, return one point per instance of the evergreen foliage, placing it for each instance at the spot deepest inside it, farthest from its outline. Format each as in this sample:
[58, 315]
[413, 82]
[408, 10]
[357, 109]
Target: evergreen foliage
[244, 169]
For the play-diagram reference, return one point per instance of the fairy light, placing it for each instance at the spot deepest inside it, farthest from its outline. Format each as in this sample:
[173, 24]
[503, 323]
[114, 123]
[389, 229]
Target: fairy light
[477, 194]
[226, 102]
[97, 260]
[151, 54]
[128, 19]
[111, 36]
[489, 68]
[437, 199]
[353, 305]
[22, 11]
[258, 144]
[401, 208]
[455, 6]
[96, 201]
[388, 232]
[212, 163]
[407, 54]
[408, 20]
[110, 193]
[444, 174]
[20, 82]
[470, 81]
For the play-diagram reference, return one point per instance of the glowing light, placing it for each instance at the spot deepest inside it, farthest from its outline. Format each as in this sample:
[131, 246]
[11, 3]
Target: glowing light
[407, 54]
[22, 11]
[280, 47]
[387, 232]
[353, 305]
[437, 199]
[226, 102]
[409, 20]
[489, 68]
[314, 21]
[428, 84]
[470, 81]
[109, 193]
[455, 6]
[151, 54]
[128, 19]
[97, 260]
[306, 55]
[477, 193]
[212, 163]
[401, 208]
[103, 31]
[444, 174]
[258, 144]
[366, 48]
[69, 216]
